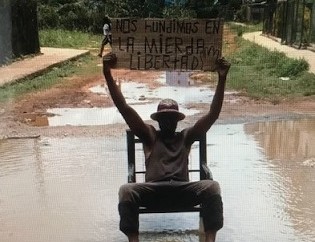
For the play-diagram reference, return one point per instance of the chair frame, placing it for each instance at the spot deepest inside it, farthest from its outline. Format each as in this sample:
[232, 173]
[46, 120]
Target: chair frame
[204, 172]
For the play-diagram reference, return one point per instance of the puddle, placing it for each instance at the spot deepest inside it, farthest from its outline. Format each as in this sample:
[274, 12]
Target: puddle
[66, 189]
[139, 96]
[100, 116]
[289, 147]
[143, 99]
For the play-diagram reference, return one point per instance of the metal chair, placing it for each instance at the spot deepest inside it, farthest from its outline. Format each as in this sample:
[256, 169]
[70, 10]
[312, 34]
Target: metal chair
[133, 172]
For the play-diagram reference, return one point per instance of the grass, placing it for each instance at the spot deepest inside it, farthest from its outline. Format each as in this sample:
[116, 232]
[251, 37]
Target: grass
[84, 66]
[265, 74]
[239, 28]
[69, 39]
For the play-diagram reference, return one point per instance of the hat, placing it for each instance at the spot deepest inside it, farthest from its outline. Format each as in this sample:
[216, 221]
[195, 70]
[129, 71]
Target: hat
[168, 106]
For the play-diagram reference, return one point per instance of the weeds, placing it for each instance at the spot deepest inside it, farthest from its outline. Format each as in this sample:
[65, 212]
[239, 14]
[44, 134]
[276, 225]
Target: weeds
[269, 74]
[47, 80]
[68, 39]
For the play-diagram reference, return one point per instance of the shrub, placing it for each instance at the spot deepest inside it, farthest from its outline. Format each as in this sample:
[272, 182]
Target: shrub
[47, 17]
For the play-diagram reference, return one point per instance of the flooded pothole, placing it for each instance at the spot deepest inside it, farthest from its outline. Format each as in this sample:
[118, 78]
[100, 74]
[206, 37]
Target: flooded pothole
[143, 99]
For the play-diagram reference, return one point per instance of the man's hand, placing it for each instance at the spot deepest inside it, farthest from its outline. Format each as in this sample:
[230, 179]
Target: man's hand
[222, 66]
[109, 61]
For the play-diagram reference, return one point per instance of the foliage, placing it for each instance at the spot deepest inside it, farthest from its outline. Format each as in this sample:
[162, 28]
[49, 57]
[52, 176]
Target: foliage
[48, 17]
[178, 10]
[72, 15]
[135, 8]
[87, 15]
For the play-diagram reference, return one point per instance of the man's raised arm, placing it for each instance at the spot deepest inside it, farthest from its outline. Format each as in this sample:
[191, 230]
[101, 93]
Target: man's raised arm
[132, 118]
[204, 123]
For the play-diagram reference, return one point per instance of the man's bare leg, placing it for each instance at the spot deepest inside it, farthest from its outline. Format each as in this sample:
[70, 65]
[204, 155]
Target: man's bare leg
[101, 50]
[210, 236]
[133, 237]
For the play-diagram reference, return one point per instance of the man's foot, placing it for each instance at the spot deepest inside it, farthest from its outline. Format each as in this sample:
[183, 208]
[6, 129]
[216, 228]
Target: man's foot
[210, 236]
[133, 237]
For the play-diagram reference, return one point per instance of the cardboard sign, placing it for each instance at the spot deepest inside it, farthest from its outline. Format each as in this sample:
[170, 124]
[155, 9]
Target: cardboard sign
[167, 44]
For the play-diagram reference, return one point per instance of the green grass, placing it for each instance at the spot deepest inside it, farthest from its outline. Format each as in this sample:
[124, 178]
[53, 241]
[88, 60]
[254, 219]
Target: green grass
[242, 28]
[261, 73]
[69, 39]
[82, 67]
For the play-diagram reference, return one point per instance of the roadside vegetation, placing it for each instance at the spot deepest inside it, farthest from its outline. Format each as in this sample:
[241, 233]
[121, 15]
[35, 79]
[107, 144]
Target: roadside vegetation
[61, 38]
[85, 66]
[263, 74]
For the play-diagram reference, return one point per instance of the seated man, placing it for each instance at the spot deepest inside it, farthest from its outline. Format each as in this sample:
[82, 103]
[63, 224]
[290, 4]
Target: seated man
[166, 158]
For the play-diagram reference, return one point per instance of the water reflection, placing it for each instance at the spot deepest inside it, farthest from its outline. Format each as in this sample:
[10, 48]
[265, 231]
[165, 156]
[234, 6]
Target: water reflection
[288, 144]
[289, 141]
[66, 189]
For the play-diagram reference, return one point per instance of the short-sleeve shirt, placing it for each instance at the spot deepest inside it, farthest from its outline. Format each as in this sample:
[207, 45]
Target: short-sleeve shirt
[106, 29]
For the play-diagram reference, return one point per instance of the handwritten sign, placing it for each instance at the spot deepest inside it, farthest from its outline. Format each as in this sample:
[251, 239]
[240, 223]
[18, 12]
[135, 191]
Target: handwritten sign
[167, 44]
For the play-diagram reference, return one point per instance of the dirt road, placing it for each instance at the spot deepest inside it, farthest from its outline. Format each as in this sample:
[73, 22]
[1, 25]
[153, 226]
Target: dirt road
[25, 117]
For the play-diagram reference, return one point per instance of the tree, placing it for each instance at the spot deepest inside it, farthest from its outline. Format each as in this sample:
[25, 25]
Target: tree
[135, 8]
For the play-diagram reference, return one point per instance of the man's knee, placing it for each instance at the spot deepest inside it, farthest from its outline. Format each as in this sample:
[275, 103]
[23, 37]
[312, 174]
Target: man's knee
[127, 193]
[210, 187]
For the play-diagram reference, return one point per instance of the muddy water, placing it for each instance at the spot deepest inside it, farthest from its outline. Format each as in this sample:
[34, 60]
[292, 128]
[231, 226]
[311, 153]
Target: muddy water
[139, 96]
[66, 189]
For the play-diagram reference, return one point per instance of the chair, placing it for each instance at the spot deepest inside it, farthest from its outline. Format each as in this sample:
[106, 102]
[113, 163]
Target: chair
[133, 172]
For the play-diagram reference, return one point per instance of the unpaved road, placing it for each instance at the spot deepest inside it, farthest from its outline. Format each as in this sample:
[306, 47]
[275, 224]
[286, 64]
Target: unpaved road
[22, 117]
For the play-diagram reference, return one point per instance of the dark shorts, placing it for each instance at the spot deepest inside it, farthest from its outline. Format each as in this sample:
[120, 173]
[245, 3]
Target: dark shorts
[107, 39]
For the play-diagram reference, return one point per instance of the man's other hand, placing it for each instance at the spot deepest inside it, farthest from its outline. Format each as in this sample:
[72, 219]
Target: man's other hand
[222, 66]
[109, 60]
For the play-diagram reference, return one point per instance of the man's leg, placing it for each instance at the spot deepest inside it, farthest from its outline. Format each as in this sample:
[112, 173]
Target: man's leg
[104, 42]
[208, 194]
[212, 209]
[131, 196]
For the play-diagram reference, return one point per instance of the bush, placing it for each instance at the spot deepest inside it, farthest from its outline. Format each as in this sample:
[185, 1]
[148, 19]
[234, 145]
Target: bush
[74, 17]
[292, 67]
[77, 15]
[47, 17]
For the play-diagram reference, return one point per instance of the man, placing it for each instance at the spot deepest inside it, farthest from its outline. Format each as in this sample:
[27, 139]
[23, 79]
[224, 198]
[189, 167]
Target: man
[107, 31]
[166, 157]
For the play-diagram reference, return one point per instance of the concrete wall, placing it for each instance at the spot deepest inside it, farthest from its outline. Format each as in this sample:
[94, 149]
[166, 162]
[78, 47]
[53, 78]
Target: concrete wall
[18, 29]
[5, 32]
